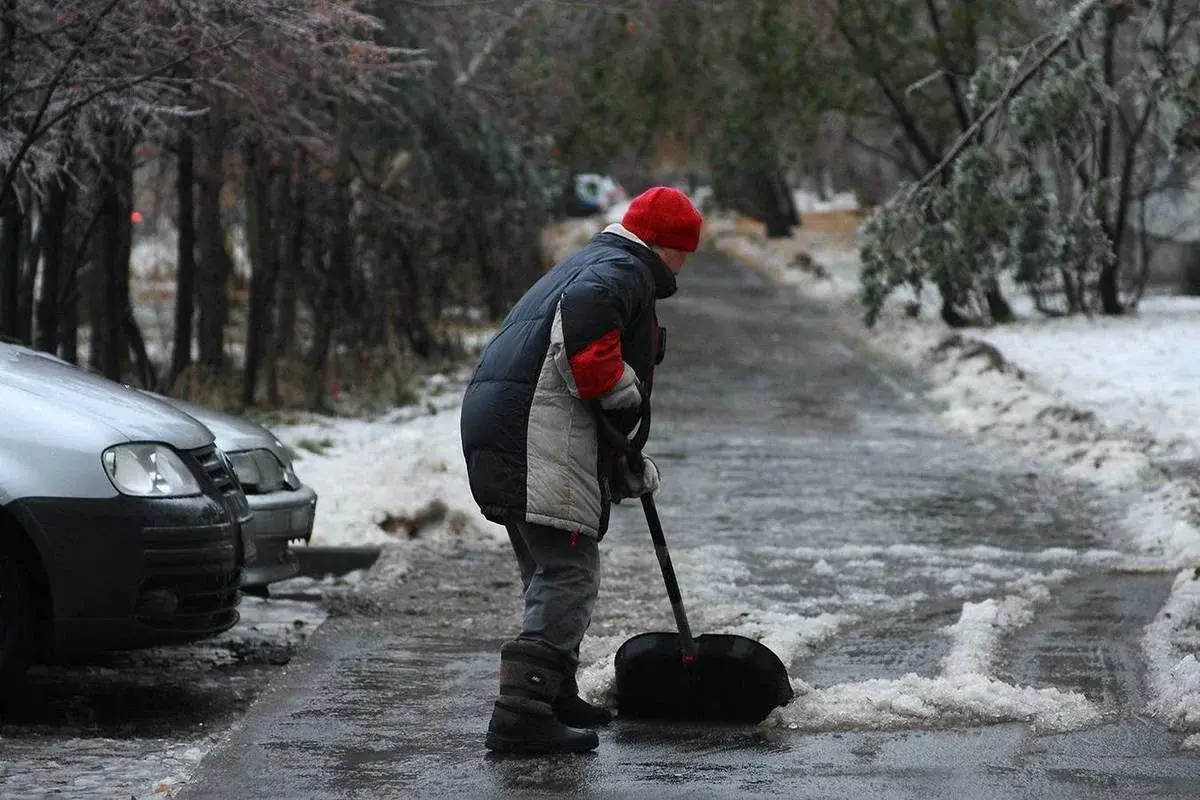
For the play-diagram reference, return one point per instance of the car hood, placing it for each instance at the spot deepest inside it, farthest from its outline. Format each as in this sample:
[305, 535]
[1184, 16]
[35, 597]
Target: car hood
[50, 385]
[233, 433]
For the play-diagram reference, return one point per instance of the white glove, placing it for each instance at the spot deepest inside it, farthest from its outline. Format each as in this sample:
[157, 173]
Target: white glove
[626, 394]
[638, 485]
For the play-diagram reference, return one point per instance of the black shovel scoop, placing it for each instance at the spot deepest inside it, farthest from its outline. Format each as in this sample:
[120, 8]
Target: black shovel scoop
[710, 678]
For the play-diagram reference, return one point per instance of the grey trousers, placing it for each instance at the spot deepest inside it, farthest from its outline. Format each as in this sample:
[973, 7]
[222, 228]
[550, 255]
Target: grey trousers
[560, 573]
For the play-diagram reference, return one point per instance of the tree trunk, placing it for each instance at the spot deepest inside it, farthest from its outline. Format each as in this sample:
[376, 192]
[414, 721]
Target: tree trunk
[77, 279]
[287, 250]
[106, 324]
[32, 257]
[780, 207]
[113, 247]
[998, 306]
[290, 269]
[91, 284]
[54, 233]
[492, 276]
[263, 255]
[12, 223]
[324, 310]
[185, 280]
[147, 375]
[1071, 290]
[10, 213]
[215, 265]
[339, 263]
[1108, 284]
[420, 337]
[949, 313]
[68, 331]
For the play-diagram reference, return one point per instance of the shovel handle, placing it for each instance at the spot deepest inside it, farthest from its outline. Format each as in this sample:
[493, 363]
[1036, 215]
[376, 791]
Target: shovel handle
[632, 450]
[686, 642]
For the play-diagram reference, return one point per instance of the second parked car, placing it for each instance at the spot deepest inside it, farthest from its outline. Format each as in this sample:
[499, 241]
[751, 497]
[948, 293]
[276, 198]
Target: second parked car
[283, 507]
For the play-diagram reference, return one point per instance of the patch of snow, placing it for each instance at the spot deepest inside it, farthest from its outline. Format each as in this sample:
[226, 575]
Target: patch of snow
[381, 481]
[808, 202]
[913, 701]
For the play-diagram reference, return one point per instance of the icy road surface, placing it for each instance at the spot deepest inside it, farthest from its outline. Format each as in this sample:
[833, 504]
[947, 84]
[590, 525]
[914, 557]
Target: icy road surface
[954, 622]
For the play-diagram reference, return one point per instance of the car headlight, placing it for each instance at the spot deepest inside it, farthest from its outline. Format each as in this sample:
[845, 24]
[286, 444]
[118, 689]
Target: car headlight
[289, 469]
[148, 470]
[259, 471]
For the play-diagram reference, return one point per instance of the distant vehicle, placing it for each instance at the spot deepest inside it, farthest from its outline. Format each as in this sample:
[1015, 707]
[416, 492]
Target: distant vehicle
[122, 524]
[592, 194]
[283, 507]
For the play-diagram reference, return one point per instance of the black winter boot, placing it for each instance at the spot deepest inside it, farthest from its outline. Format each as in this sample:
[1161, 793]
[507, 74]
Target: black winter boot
[573, 710]
[523, 721]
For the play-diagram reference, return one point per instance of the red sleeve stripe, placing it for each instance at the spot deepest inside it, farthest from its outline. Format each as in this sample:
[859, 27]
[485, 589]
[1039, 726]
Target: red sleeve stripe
[599, 366]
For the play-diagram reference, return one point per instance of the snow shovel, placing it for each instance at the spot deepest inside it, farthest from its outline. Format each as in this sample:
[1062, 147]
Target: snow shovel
[675, 676]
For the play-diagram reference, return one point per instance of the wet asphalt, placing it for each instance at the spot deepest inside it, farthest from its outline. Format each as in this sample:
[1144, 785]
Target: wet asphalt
[802, 476]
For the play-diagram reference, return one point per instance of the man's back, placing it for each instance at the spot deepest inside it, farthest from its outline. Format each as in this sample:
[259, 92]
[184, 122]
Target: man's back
[523, 424]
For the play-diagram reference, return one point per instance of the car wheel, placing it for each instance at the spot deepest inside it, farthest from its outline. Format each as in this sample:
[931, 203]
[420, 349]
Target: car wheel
[17, 614]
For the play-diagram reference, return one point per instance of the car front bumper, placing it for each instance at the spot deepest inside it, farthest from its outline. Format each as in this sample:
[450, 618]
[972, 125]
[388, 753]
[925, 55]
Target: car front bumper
[136, 572]
[278, 519]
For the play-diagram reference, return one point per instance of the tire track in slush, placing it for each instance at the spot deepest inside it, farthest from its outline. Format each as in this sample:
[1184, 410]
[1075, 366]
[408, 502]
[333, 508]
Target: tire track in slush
[1085, 639]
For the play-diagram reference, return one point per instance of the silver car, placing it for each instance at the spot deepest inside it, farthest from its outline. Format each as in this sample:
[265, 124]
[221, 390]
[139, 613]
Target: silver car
[283, 507]
[122, 524]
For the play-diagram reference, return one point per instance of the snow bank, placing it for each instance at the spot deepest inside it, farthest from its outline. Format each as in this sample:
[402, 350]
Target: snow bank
[1170, 644]
[389, 479]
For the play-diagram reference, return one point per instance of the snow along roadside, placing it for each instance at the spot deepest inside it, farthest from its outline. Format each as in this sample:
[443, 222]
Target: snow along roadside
[986, 396]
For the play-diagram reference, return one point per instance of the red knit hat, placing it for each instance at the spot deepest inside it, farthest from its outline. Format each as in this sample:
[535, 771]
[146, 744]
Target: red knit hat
[664, 217]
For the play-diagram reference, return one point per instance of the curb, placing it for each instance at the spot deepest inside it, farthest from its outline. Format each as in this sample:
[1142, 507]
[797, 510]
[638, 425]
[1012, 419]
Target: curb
[322, 561]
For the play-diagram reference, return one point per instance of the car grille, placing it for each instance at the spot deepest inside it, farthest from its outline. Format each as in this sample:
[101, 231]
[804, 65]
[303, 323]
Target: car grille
[216, 466]
[189, 551]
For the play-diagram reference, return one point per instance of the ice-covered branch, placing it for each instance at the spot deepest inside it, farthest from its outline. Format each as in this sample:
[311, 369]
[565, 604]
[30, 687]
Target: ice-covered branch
[1072, 23]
